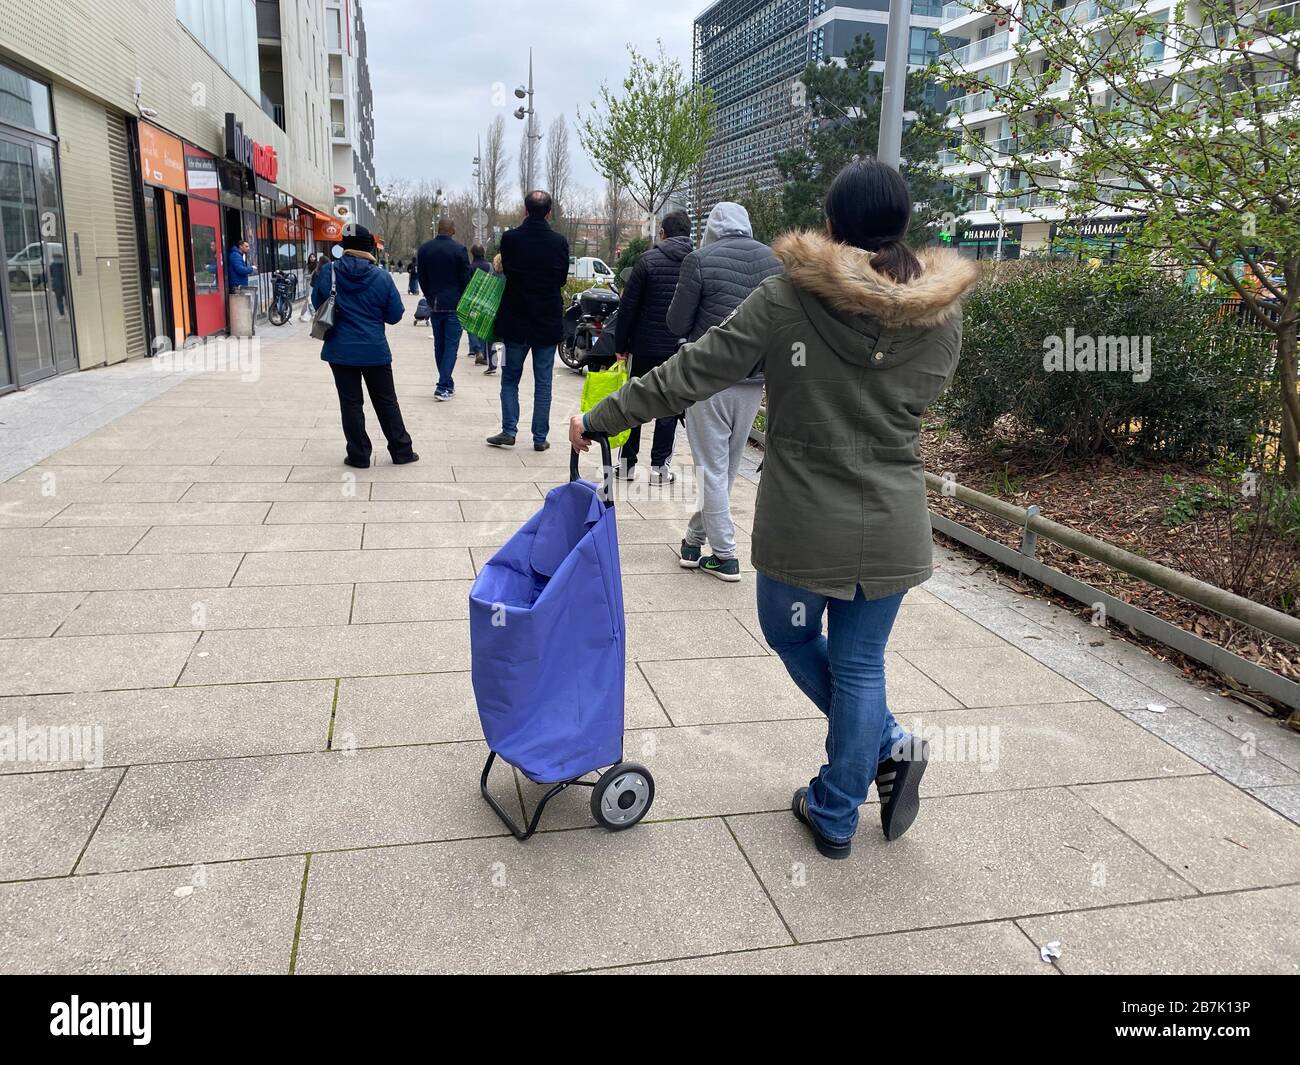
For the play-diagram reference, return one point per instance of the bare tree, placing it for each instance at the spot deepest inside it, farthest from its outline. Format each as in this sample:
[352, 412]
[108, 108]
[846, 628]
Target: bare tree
[527, 161]
[559, 167]
[495, 167]
[616, 212]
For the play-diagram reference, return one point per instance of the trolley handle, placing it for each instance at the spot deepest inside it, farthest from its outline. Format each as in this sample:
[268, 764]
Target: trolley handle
[607, 465]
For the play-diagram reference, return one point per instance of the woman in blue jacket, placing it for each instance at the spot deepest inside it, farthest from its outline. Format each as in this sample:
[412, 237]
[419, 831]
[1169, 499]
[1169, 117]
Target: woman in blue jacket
[365, 299]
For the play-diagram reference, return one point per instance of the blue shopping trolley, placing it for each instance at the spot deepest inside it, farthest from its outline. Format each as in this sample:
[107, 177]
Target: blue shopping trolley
[548, 649]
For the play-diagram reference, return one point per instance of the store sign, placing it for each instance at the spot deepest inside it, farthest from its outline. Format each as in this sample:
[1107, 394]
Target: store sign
[162, 158]
[259, 158]
[1100, 229]
[328, 229]
[201, 172]
[991, 232]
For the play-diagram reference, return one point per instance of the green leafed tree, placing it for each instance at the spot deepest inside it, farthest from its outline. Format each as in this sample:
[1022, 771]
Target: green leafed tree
[651, 136]
[1186, 120]
[844, 105]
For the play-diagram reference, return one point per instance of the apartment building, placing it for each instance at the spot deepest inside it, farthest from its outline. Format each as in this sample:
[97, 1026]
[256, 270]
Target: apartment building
[138, 144]
[1008, 214]
[751, 53]
[352, 117]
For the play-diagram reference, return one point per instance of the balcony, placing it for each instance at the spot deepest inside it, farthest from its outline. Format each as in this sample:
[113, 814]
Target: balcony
[338, 130]
[975, 101]
[952, 12]
[336, 86]
[977, 50]
[932, 8]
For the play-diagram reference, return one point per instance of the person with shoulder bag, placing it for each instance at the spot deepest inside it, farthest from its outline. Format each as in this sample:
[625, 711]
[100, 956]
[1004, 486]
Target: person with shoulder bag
[354, 299]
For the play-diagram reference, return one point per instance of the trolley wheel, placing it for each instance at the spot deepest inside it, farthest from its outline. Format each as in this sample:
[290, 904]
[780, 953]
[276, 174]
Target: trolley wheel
[622, 796]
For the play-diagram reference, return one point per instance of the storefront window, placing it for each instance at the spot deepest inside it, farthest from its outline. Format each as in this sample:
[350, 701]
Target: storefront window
[204, 239]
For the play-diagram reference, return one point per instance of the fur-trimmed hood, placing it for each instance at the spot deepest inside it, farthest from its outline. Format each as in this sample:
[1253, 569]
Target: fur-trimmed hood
[841, 276]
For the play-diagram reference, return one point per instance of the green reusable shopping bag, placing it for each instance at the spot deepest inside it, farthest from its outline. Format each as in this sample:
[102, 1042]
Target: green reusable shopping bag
[478, 306]
[602, 383]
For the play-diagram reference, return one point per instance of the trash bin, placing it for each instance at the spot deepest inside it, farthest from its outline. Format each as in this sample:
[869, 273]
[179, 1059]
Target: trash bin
[239, 312]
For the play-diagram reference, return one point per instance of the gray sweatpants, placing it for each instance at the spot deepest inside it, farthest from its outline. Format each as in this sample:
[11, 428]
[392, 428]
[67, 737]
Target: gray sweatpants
[717, 429]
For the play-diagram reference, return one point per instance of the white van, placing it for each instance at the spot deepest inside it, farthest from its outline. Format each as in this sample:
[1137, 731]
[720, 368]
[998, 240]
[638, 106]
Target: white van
[589, 268]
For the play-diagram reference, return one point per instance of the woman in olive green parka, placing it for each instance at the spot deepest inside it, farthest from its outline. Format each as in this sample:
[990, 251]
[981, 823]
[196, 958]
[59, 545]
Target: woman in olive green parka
[856, 339]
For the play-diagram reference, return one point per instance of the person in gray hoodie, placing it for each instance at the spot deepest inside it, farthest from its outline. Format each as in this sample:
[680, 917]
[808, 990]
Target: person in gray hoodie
[714, 281]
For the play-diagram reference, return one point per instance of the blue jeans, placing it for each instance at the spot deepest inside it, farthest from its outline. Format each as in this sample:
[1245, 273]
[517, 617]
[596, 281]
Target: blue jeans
[843, 673]
[477, 345]
[511, 373]
[446, 342]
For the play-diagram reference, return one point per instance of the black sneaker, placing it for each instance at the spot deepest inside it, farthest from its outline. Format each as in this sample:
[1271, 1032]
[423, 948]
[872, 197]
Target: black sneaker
[898, 783]
[690, 556]
[357, 463]
[501, 440]
[412, 457]
[825, 847]
[442, 395]
[725, 569]
[489, 371]
[543, 446]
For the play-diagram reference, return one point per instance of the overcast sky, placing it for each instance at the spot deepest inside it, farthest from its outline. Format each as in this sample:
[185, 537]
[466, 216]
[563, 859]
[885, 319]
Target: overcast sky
[433, 67]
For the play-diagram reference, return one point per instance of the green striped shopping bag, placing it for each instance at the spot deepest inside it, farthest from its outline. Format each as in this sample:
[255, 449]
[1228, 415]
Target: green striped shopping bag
[477, 309]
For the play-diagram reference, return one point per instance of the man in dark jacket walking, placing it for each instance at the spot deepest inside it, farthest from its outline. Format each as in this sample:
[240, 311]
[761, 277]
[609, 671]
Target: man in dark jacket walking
[365, 299]
[443, 266]
[714, 281]
[535, 261]
[642, 332]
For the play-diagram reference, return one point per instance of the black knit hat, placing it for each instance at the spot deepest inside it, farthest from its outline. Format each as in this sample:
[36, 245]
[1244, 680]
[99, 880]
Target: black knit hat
[357, 238]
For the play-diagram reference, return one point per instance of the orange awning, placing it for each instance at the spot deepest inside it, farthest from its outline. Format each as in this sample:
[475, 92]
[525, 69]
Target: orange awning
[328, 227]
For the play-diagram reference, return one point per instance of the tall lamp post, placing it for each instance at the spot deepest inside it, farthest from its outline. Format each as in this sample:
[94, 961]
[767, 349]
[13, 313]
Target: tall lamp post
[889, 144]
[522, 112]
[478, 196]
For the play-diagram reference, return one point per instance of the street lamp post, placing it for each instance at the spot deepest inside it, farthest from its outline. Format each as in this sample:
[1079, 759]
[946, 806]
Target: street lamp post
[889, 144]
[478, 195]
[522, 112]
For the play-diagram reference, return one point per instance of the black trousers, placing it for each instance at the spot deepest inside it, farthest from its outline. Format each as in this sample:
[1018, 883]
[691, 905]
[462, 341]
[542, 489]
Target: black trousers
[661, 447]
[379, 383]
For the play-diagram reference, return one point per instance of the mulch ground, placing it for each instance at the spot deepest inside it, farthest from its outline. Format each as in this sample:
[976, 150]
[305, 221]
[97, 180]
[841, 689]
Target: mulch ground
[1124, 504]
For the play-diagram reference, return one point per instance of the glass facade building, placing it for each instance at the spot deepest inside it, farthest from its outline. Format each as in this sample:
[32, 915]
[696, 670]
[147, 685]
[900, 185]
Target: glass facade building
[750, 53]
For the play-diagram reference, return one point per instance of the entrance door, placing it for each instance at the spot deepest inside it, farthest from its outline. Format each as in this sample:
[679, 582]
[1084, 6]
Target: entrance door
[28, 278]
[178, 273]
[155, 243]
[58, 261]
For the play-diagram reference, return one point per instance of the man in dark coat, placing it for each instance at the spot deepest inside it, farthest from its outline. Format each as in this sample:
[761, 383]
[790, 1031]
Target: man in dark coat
[444, 270]
[535, 261]
[642, 332]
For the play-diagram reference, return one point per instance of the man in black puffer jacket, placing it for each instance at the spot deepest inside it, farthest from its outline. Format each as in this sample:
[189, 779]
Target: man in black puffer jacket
[642, 332]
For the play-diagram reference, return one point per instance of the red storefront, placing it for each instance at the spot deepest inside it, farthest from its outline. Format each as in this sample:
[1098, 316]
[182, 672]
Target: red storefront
[205, 241]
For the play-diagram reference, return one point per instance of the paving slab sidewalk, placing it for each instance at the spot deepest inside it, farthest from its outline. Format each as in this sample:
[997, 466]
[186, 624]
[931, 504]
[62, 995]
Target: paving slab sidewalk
[250, 744]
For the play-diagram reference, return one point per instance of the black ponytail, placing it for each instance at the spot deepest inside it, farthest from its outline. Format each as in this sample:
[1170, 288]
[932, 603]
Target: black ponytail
[869, 206]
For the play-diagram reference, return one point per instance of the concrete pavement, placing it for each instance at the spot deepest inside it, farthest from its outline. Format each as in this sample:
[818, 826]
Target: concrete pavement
[273, 650]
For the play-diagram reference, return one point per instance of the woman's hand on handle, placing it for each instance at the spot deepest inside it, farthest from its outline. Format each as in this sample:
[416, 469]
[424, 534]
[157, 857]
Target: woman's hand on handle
[576, 440]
